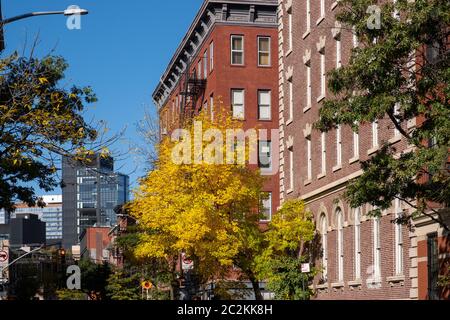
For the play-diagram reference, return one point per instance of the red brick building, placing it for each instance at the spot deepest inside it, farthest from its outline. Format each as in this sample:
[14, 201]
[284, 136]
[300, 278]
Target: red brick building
[229, 54]
[362, 257]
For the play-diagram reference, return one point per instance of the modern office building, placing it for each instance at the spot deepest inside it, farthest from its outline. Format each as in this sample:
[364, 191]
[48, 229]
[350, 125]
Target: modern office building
[26, 230]
[229, 54]
[90, 194]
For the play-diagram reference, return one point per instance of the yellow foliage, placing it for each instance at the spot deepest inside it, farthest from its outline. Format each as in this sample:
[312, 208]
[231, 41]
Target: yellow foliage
[198, 208]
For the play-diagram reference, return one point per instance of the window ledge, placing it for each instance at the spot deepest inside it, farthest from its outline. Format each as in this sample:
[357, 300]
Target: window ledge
[305, 109]
[319, 99]
[289, 191]
[320, 20]
[395, 139]
[355, 283]
[322, 175]
[307, 32]
[290, 120]
[308, 182]
[374, 282]
[288, 53]
[373, 150]
[337, 285]
[396, 279]
[353, 160]
[337, 168]
[334, 5]
[322, 286]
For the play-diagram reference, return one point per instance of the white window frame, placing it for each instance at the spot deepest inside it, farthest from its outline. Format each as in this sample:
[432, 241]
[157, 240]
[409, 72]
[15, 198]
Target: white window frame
[291, 99]
[269, 106]
[308, 86]
[260, 51]
[211, 56]
[339, 145]
[396, 113]
[322, 9]
[268, 144]
[233, 103]
[269, 201]
[205, 64]
[323, 139]
[211, 106]
[357, 244]
[338, 52]
[309, 157]
[340, 244]
[291, 169]
[375, 138]
[238, 50]
[376, 249]
[199, 69]
[308, 16]
[356, 144]
[324, 234]
[399, 269]
[323, 75]
[290, 31]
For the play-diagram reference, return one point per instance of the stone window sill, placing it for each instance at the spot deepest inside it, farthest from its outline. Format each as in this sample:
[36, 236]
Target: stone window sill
[322, 286]
[322, 175]
[305, 109]
[396, 279]
[307, 32]
[289, 121]
[319, 99]
[353, 160]
[337, 285]
[288, 53]
[320, 20]
[289, 191]
[337, 168]
[355, 283]
[308, 182]
[395, 139]
[373, 150]
[334, 5]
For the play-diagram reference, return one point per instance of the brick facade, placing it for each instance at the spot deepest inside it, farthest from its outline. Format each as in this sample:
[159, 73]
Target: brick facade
[323, 191]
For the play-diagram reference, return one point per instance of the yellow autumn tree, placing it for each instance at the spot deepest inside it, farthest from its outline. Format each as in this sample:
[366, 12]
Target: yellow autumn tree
[202, 197]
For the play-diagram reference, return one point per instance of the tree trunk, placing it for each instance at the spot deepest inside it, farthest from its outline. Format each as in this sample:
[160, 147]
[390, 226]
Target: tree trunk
[256, 288]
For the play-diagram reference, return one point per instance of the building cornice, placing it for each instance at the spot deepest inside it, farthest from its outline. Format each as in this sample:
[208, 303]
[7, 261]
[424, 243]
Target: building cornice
[211, 12]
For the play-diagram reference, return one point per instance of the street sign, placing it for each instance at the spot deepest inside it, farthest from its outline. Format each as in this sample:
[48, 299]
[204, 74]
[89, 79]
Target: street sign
[306, 268]
[147, 285]
[187, 264]
[3, 256]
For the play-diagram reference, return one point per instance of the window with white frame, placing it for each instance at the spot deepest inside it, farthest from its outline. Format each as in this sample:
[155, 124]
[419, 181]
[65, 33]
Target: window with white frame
[291, 99]
[324, 235]
[340, 244]
[398, 239]
[339, 145]
[173, 110]
[264, 104]
[205, 64]
[323, 76]
[357, 244]
[211, 106]
[356, 144]
[265, 155]
[323, 139]
[237, 50]
[290, 30]
[396, 116]
[355, 38]
[308, 15]
[322, 8]
[211, 56]
[291, 169]
[199, 69]
[375, 134]
[264, 51]
[267, 207]
[308, 86]
[376, 250]
[338, 52]
[237, 102]
[309, 157]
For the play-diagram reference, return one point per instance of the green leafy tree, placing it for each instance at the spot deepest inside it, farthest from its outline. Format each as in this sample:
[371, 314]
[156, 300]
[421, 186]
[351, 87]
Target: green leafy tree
[399, 72]
[71, 295]
[40, 120]
[124, 286]
[94, 279]
[289, 239]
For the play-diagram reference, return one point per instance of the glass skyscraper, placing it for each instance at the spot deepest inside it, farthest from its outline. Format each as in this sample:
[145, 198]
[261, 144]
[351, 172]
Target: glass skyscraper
[90, 194]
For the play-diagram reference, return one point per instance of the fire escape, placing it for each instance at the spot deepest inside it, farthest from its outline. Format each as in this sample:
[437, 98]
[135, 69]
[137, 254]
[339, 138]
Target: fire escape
[193, 88]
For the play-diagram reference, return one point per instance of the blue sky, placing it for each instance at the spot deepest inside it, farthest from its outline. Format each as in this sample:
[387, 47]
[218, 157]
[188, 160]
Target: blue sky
[121, 51]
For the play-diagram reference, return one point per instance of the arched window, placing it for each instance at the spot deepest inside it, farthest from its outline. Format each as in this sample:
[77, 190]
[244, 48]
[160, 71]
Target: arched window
[357, 245]
[340, 244]
[323, 232]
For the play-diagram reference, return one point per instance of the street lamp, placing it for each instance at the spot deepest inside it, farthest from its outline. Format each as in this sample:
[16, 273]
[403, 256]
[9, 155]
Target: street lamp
[68, 12]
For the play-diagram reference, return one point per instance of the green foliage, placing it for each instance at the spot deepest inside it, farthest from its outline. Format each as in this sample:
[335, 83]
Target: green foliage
[289, 238]
[40, 120]
[231, 290]
[381, 76]
[94, 279]
[71, 295]
[122, 286]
